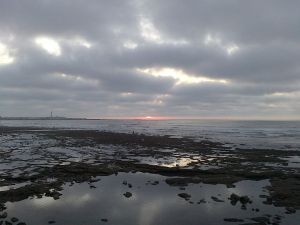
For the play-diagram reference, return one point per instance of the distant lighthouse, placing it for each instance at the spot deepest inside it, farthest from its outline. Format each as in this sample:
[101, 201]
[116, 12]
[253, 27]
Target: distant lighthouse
[51, 115]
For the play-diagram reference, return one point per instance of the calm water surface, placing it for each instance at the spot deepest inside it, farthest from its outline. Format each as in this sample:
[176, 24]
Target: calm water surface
[148, 205]
[253, 134]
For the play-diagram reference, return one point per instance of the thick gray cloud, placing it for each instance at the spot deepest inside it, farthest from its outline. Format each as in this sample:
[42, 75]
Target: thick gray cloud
[206, 58]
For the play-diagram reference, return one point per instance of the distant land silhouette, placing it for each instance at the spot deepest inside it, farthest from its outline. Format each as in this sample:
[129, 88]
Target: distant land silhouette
[41, 118]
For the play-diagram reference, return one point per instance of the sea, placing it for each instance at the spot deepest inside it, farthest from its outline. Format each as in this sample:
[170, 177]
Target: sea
[279, 135]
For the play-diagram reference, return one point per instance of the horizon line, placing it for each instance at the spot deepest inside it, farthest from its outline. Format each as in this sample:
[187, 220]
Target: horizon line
[148, 118]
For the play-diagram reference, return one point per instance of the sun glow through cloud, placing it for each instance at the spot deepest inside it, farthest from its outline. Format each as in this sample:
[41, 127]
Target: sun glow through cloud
[130, 44]
[149, 32]
[179, 75]
[211, 40]
[49, 45]
[83, 42]
[5, 57]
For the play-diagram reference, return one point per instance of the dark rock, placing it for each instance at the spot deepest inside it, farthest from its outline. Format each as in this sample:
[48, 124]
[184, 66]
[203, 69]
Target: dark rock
[234, 198]
[268, 201]
[51, 222]
[155, 183]
[277, 217]
[104, 220]
[14, 219]
[245, 199]
[216, 199]
[184, 195]
[54, 194]
[39, 195]
[263, 196]
[290, 210]
[233, 220]
[252, 224]
[181, 182]
[262, 220]
[8, 223]
[3, 215]
[243, 207]
[127, 194]
[2, 207]
[92, 180]
[201, 201]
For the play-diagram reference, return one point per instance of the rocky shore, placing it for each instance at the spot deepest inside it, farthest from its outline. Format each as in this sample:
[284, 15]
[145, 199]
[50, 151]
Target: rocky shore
[38, 162]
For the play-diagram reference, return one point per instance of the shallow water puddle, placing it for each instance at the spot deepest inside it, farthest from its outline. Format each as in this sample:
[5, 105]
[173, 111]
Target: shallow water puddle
[138, 198]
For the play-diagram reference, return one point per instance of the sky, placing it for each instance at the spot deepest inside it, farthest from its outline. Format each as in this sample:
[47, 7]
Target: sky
[231, 59]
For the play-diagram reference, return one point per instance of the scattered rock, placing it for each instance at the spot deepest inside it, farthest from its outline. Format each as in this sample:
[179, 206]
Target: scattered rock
[201, 201]
[155, 183]
[104, 220]
[264, 196]
[39, 195]
[127, 194]
[94, 180]
[245, 199]
[2, 207]
[278, 217]
[182, 182]
[234, 198]
[243, 207]
[3, 215]
[255, 209]
[14, 219]
[216, 199]
[290, 210]
[268, 201]
[233, 220]
[54, 194]
[184, 196]
[261, 220]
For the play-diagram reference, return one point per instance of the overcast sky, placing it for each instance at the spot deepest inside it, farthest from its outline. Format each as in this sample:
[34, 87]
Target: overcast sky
[136, 58]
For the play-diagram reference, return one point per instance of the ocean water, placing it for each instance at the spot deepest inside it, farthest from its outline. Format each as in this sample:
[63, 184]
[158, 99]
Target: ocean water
[282, 135]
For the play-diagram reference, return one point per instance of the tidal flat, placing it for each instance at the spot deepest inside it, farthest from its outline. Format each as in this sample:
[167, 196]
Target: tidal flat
[64, 176]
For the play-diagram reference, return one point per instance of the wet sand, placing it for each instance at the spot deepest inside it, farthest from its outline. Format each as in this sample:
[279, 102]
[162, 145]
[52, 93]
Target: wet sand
[241, 186]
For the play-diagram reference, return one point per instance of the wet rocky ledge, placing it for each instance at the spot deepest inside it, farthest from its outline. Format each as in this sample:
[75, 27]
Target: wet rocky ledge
[54, 157]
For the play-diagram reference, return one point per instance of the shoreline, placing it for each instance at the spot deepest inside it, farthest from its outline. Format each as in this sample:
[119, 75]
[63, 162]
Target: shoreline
[182, 161]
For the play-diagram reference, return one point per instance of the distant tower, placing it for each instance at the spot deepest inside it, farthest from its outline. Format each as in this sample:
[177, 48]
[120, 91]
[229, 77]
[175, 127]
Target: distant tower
[51, 115]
